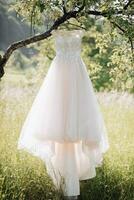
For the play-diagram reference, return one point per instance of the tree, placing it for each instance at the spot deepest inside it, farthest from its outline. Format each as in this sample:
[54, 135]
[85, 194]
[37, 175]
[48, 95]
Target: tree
[120, 15]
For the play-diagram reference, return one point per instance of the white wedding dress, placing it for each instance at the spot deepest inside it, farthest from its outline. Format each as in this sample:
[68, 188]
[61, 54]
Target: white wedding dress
[64, 126]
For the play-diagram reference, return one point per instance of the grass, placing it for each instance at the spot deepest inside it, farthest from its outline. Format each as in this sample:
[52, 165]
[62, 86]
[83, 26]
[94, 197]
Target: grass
[115, 179]
[24, 177]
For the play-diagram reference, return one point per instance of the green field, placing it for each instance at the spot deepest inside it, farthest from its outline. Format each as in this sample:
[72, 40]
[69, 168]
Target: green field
[24, 177]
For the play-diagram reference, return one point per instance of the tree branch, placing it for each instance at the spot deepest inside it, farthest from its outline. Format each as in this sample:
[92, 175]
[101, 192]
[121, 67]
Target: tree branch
[19, 44]
[64, 6]
[57, 23]
[78, 26]
[128, 3]
[106, 13]
[118, 26]
[129, 38]
[97, 13]
[22, 43]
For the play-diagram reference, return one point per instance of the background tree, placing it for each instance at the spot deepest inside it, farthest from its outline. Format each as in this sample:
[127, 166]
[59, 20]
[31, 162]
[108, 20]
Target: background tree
[59, 13]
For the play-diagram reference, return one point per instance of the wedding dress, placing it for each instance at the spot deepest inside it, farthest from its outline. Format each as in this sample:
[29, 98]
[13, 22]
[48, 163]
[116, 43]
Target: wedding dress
[64, 126]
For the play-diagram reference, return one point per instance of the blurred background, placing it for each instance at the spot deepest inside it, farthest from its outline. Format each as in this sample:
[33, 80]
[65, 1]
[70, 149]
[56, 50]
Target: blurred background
[108, 56]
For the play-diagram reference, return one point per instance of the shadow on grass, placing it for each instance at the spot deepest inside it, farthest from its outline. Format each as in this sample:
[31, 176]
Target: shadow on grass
[108, 185]
[25, 182]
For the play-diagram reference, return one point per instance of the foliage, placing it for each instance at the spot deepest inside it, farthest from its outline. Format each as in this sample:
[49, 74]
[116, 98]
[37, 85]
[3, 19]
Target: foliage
[107, 56]
[109, 59]
[107, 45]
[120, 13]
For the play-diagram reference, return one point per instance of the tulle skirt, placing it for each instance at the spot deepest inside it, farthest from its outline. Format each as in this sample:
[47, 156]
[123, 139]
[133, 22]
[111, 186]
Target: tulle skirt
[65, 126]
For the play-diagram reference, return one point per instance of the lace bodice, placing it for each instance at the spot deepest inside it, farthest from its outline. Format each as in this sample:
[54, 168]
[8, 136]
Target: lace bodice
[67, 42]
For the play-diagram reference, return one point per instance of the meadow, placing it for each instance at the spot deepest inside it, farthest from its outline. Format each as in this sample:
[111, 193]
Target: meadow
[24, 177]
